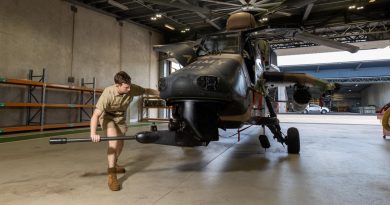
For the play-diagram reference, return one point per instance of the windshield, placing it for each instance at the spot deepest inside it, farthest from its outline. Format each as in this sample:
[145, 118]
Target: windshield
[222, 43]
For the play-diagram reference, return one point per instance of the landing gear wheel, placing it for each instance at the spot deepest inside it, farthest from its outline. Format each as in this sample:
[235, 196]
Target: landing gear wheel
[292, 141]
[264, 141]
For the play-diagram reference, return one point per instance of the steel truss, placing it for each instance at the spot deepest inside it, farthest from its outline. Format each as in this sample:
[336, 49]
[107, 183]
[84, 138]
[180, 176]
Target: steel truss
[351, 33]
[357, 80]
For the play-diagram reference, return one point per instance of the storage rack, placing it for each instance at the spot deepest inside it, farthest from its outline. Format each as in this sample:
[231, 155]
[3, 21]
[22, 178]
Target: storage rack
[33, 102]
[146, 106]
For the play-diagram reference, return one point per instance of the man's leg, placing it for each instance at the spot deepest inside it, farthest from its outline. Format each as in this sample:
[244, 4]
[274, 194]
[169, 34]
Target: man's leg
[120, 143]
[113, 183]
[119, 169]
[112, 147]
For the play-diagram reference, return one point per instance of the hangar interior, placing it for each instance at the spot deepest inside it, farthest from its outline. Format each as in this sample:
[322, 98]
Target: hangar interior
[57, 56]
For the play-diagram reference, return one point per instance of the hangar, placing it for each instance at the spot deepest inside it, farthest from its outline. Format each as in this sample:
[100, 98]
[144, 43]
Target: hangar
[59, 57]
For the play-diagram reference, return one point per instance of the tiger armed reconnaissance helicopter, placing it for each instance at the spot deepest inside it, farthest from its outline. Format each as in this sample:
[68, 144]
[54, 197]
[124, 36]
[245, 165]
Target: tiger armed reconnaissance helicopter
[223, 83]
[225, 80]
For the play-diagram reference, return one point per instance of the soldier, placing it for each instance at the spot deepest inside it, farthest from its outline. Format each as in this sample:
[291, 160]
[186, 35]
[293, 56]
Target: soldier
[110, 112]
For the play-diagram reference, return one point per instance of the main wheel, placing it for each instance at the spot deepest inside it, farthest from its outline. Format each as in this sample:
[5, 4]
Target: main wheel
[306, 111]
[323, 111]
[292, 141]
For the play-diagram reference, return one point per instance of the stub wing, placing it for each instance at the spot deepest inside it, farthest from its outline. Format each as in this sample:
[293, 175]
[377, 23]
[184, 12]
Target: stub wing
[298, 78]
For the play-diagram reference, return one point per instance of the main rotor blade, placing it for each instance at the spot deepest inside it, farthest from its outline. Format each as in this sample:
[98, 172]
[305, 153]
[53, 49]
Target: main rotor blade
[243, 2]
[283, 13]
[304, 36]
[259, 3]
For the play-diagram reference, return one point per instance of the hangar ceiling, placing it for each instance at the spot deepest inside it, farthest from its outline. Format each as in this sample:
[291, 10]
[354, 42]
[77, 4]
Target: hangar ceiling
[342, 20]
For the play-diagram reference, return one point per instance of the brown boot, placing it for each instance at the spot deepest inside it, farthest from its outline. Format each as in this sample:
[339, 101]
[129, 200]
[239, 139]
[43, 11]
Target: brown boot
[119, 169]
[113, 183]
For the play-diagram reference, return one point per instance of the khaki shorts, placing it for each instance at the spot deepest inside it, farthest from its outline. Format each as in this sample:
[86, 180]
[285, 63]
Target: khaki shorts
[118, 124]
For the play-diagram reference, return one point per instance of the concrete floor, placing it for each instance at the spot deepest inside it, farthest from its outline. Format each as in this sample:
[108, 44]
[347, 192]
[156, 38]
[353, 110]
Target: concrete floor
[338, 164]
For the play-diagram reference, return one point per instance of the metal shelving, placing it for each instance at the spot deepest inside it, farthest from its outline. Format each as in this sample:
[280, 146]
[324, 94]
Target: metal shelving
[34, 101]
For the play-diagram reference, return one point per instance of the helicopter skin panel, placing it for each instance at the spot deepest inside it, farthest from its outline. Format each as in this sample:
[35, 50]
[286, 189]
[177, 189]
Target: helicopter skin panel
[182, 52]
[219, 78]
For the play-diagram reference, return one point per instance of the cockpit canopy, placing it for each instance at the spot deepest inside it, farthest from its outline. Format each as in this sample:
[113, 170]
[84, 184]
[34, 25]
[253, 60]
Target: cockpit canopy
[221, 43]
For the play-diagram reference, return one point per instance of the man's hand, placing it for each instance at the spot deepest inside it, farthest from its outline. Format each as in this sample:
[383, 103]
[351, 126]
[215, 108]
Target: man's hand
[95, 137]
[94, 121]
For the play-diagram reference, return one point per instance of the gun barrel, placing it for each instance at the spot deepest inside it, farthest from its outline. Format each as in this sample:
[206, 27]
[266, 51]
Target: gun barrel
[65, 140]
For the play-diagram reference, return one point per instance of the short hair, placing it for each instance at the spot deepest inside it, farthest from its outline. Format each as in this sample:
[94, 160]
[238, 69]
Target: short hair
[122, 77]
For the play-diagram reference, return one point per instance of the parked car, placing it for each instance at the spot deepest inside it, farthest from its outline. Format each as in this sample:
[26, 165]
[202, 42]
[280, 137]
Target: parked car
[313, 108]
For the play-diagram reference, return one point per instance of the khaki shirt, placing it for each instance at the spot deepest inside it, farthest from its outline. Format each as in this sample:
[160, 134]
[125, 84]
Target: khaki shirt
[114, 105]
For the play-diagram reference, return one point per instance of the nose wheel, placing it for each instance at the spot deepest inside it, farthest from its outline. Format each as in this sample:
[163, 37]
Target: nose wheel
[264, 141]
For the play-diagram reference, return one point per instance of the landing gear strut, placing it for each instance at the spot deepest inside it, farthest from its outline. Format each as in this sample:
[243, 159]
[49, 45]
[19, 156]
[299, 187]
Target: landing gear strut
[291, 140]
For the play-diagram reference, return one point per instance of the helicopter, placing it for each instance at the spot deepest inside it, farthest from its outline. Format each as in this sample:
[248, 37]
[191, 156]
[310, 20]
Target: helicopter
[225, 83]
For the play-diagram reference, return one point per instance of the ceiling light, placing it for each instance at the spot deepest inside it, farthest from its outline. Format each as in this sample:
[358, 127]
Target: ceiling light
[153, 18]
[350, 90]
[360, 8]
[187, 29]
[169, 26]
[183, 31]
[158, 15]
[371, 1]
[264, 19]
[117, 4]
[352, 7]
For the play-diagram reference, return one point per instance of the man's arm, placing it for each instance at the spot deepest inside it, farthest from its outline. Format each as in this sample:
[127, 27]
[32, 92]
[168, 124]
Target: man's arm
[149, 91]
[94, 122]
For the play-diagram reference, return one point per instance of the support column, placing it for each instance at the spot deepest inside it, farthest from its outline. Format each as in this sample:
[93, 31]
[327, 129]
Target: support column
[282, 96]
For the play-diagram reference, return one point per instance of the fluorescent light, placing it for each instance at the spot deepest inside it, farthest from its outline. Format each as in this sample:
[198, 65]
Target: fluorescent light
[117, 4]
[187, 29]
[153, 18]
[158, 15]
[169, 26]
[360, 8]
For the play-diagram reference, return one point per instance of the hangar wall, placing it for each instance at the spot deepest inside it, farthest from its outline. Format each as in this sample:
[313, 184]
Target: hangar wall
[38, 34]
[377, 94]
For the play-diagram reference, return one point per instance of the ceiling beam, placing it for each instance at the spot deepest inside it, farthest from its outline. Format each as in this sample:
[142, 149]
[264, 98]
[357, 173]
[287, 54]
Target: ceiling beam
[78, 3]
[222, 3]
[204, 17]
[178, 5]
[140, 2]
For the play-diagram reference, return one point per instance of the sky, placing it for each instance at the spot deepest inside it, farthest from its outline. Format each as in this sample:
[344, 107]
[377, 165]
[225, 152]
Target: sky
[334, 57]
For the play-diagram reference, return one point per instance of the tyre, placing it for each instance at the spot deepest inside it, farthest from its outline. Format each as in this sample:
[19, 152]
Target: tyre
[323, 112]
[264, 141]
[292, 141]
[305, 112]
